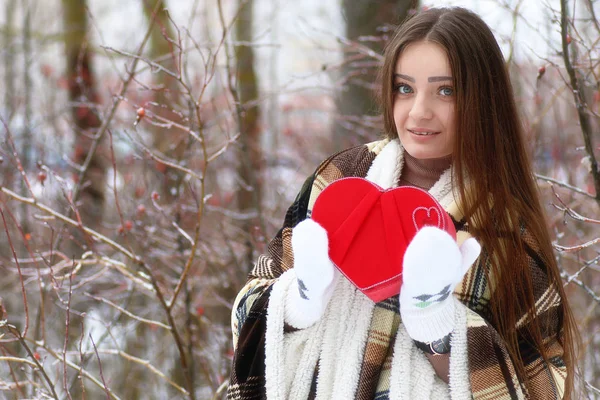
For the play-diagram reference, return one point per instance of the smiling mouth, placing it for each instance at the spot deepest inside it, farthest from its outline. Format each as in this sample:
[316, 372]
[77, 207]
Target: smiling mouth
[423, 133]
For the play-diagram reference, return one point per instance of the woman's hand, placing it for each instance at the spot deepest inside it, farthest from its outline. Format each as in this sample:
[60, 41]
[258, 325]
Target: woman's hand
[316, 276]
[433, 266]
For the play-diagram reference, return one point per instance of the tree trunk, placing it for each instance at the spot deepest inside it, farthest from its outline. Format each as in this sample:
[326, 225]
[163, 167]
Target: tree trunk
[358, 110]
[250, 153]
[84, 101]
[168, 141]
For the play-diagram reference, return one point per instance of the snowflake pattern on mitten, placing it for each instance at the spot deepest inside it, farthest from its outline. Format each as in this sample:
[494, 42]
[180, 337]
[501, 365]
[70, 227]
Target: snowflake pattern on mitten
[425, 300]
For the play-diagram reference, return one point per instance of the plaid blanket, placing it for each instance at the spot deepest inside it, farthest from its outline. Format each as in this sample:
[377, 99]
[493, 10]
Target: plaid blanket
[491, 374]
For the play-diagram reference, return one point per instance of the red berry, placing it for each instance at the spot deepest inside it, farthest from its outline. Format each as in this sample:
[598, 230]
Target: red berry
[42, 177]
[63, 83]
[141, 112]
[139, 191]
[541, 71]
[213, 201]
[82, 112]
[569, 40]
[160, 167]
[37, 356]
[128, 225]
[155, 196]
[141, 210]
[46, 70]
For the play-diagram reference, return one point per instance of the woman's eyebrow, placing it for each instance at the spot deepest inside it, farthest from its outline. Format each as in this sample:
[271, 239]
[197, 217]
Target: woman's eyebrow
[439, 78]
[406, 77]
[430, 79]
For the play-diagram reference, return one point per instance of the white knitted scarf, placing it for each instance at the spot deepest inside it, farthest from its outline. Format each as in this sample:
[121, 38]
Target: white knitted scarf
[338, 340]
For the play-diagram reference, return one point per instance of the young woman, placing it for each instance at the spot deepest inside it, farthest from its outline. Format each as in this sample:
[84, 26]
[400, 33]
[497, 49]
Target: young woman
[484, 316]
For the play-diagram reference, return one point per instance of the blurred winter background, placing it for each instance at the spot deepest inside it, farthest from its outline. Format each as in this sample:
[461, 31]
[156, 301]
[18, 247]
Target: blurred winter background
[150, 149]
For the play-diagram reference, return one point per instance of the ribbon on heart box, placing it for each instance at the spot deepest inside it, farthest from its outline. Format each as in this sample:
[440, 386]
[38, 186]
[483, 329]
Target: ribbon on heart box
[369, 229]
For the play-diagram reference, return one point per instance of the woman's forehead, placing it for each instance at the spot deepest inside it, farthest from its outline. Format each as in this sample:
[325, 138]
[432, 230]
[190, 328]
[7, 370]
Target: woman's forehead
[423, 59]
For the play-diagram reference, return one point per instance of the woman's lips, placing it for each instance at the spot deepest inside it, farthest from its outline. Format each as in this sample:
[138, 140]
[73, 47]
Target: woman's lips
[423, 132]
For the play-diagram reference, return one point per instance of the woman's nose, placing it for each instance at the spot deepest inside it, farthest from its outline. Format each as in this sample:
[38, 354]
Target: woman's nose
[421, 108]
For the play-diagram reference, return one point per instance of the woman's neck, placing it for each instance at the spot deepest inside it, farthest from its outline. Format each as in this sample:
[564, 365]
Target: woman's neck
[423, 173]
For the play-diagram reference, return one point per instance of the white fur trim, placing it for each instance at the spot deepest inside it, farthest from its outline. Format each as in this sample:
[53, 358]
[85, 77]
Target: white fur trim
[460, 386]
[413, 377]
[275, 382]
[341, 359]
[351, 348]
[387, 165]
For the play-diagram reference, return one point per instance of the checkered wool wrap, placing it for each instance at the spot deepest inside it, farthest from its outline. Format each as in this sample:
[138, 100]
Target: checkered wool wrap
[387, 364]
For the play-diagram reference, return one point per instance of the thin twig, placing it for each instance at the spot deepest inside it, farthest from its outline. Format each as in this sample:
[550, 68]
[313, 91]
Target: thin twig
[221, 389]
[570, 212]
[572, 249]
[582, 285]
[17, 359]
[100, 368]
[591, 387]
[115, 191]
[66, 341]
[565, 185]
[153, 65]
[161, 160]
[128, 313]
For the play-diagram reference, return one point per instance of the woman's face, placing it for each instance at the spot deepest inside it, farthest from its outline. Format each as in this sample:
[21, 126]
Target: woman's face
[424, 101]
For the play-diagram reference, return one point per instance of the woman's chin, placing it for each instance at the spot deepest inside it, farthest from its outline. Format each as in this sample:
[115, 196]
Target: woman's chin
[421, 153]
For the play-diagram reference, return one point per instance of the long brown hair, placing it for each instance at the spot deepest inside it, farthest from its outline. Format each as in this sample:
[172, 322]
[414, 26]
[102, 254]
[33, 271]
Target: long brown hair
[491, 171]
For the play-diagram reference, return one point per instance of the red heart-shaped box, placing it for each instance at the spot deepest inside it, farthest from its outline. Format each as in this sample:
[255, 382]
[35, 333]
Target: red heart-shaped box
[369, 229]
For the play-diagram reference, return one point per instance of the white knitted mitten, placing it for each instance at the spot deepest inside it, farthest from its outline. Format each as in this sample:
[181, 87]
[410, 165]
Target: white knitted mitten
[433, 266]
[316, 276]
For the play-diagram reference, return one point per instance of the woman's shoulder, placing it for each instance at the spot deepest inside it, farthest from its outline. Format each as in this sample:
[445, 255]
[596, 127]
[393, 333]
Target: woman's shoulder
[354, 161]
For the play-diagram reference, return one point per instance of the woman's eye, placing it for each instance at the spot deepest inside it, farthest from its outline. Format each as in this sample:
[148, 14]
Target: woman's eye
[403, 89]
[446, 91]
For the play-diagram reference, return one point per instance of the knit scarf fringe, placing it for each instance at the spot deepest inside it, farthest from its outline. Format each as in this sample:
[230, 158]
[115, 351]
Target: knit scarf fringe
[337, 341]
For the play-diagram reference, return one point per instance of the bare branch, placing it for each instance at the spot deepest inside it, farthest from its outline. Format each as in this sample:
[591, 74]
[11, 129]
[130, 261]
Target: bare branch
[565, 185]
[128, 313]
